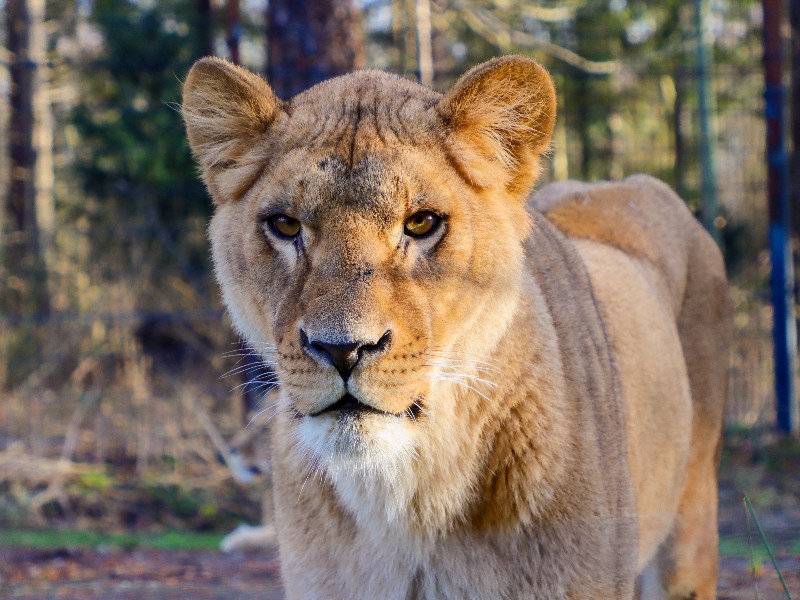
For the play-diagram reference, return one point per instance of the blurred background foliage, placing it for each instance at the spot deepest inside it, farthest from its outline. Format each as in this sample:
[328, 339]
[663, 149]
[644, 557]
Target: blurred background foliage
[112, 333]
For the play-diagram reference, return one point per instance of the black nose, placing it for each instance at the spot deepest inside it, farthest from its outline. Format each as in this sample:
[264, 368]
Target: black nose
[344, 357]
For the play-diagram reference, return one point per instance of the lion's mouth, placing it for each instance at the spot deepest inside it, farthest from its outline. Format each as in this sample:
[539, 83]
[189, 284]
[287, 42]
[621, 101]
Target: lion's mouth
[350, 406]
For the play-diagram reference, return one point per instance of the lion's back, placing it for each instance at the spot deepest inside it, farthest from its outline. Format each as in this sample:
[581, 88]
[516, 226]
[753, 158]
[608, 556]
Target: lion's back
[659, 281]
[640, 215]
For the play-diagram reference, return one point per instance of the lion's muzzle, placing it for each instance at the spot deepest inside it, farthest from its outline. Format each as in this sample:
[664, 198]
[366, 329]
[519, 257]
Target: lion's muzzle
[343, 356]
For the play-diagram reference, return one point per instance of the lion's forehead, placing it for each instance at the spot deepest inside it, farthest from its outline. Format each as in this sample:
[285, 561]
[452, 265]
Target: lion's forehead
[356, 143]
[373, 192]
[368, 109]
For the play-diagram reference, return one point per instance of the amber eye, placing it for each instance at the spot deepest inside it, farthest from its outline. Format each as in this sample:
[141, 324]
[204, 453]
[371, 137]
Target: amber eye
[422, 224]
[284, 226]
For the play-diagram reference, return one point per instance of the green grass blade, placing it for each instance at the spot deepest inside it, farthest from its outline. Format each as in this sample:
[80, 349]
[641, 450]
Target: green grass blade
[767, 546]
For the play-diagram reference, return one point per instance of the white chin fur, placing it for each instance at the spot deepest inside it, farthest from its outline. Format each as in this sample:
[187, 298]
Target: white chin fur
[369, 461]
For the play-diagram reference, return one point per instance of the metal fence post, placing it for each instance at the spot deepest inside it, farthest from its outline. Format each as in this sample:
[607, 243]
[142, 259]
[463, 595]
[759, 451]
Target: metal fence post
[782, 276]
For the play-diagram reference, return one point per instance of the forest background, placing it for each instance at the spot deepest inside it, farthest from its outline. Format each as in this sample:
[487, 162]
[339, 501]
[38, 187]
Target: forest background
[114, 410]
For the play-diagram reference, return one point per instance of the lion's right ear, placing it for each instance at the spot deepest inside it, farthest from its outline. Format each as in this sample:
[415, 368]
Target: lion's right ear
[227, 109]
[500, 117]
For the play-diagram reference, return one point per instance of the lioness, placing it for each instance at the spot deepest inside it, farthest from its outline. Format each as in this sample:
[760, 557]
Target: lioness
[479, 399]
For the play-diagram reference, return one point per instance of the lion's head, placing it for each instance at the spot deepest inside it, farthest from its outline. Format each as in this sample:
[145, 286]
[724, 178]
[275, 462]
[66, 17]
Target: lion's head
[368, 238]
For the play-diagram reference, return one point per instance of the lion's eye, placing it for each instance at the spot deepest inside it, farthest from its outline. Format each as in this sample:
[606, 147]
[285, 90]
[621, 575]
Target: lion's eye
[422, 224]
[284, 226]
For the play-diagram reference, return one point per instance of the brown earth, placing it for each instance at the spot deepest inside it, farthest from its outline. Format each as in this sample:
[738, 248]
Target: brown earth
[768, 473]
[739, 582]
[201, 575]
[138, 574]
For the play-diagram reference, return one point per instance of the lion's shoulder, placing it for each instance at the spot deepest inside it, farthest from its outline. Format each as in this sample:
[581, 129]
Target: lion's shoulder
[631, 214]
[640, 215]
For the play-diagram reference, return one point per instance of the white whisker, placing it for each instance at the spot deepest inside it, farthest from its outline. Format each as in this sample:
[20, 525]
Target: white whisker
[248, 351]
[268, 380]
[457, 381]
[461, 353]
[262, 411]
[247, 368]
[466, 363]
[469, 377]
[463, 367]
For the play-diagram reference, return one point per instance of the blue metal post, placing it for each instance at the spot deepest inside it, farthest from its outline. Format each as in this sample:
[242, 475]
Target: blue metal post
[781, 279]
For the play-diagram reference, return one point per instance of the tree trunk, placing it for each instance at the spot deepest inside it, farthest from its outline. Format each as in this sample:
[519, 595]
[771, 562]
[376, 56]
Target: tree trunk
[44, 179]
[309, 41]
[400, 34]
[680, 164]
[26, 289]
[424, 42]
[411, 63]
[233, 22]
[204, 25]
[584, 118]
[794, 159]
[794, 19]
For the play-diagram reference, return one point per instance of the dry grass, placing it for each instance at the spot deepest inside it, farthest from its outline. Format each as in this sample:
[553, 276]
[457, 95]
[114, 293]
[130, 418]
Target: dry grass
[135, 400]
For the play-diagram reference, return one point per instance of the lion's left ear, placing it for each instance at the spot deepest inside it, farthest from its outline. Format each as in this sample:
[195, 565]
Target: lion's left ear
[227, 110]
[500, 117]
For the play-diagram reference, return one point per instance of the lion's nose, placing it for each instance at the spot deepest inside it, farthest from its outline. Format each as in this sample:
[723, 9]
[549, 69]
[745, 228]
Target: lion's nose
[344, 356]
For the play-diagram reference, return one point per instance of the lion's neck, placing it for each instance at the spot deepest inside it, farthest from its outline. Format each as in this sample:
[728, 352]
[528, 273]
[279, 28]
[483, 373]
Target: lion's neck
[523, 434]
[487, 457]
[500, 461]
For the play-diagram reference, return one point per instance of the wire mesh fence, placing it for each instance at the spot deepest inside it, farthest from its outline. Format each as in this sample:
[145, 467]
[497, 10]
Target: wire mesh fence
[125, 364]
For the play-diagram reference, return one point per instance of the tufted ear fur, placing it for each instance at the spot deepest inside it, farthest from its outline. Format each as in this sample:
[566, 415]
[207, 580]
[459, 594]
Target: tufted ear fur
[226, 109]
[500, 116]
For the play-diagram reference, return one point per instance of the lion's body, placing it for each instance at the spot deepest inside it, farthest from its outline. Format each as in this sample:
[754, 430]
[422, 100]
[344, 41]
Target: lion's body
[642, 247]
[517, 419]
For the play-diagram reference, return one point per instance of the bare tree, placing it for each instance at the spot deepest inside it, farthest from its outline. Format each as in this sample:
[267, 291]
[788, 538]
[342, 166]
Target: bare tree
[24, 258]
[204, 22]
[794, 19]
[424, 42]
[309, 41]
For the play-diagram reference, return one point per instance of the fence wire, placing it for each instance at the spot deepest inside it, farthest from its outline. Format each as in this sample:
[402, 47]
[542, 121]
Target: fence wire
[132, 345]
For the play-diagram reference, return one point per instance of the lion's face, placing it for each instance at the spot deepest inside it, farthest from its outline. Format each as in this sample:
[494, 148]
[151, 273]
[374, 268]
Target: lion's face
[368, 244]
[373, 282]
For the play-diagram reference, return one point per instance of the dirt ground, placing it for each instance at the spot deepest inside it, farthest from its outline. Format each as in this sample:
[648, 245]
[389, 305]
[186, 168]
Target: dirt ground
[204, 575]
[770, 478]
[138, 575]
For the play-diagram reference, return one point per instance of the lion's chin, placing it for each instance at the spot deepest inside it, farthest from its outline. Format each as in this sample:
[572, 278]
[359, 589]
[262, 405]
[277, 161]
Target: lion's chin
[356, 435]
[369, 459]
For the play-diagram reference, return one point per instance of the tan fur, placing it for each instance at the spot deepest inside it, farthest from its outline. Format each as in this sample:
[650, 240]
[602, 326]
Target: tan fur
[540, 434]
